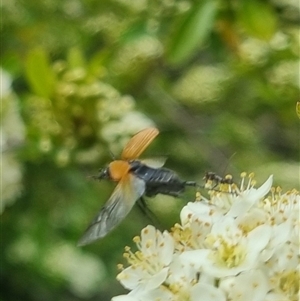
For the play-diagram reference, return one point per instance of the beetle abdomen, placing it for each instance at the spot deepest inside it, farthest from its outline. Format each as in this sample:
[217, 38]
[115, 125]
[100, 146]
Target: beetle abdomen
[158, 180]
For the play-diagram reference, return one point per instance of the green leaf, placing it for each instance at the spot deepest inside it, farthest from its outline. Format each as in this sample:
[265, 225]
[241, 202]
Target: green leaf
[258, 19]
[39, 73]
[193, 32]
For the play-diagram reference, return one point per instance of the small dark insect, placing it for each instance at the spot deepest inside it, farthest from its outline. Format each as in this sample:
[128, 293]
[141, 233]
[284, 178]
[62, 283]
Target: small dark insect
[216, 179]
[135, 178]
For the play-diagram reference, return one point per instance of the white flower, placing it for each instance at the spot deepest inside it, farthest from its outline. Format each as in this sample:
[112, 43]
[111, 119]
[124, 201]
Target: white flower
[247, 286]
[283, 271]
[182, 284]
[12, 136]
[183, 292]
[228, 251]
[149, 265]
[283, 212]
[186, 283]
[244, 198]
[240, 245]
[197, 220]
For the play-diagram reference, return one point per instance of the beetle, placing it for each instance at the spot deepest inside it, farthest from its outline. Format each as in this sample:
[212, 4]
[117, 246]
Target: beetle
[135, 178]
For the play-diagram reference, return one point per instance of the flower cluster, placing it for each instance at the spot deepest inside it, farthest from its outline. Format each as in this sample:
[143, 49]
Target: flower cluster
[242, 245]
[12, 137]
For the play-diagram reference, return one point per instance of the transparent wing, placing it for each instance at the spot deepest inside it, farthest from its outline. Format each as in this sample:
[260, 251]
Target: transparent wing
[138, 143]
[128, 190]
[156, 162]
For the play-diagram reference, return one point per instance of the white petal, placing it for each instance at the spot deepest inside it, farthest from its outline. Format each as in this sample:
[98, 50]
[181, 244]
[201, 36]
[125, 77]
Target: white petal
[241, 206]
[252, 218]
[225, 226]
[148, 240]
[130, 277]
[248, 286]
[198, 208]
[286, 257]
[219, 271]
[195, 258]
[205, 292]
[165, 248]
[257, 194]
[258, 238]
[207, 279]
[248, 198]
[156, 280]
[160, 294]
[202, 211]
[124, 298]
[176, 269]
[185, 215]
[276, 297]
[281, 233]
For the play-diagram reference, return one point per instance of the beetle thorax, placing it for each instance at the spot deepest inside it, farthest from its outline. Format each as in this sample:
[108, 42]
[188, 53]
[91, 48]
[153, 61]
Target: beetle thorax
[118, 169]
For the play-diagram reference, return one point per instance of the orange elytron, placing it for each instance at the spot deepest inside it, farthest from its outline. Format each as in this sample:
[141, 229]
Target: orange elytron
[135, 178]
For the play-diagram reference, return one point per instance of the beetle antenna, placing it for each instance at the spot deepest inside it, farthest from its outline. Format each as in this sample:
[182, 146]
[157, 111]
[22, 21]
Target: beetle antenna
[94, 177]
[112, 155]
[228, 161]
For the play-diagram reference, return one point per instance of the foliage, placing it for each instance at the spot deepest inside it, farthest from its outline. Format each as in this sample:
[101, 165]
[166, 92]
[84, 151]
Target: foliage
[80, 77]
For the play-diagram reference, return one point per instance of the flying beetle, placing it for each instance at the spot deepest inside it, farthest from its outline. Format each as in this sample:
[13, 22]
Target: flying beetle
[135, 178]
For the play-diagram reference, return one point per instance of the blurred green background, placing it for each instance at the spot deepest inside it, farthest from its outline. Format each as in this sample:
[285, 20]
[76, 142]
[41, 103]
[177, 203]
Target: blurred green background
[79, 78]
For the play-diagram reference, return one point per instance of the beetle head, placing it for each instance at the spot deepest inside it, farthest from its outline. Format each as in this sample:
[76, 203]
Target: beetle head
[103, 174]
